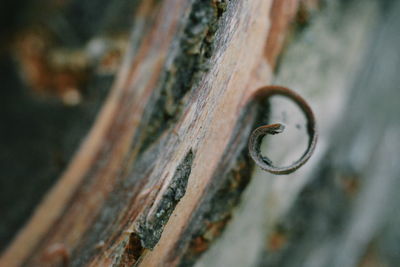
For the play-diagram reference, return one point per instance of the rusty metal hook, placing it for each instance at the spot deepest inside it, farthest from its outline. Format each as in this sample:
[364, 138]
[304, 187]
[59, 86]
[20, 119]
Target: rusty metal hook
[256, 136]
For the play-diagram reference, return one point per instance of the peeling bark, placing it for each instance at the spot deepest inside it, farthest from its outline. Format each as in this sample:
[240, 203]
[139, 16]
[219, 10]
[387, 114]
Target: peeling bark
[160, 174]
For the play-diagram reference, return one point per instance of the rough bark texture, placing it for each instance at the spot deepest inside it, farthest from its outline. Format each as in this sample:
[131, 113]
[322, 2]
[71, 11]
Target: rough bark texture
[157, 179]
[339, 209]
[166, 140]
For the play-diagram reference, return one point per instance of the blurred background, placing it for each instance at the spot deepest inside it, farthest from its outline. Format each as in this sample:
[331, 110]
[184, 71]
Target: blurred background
[58, 60]
[343, 208]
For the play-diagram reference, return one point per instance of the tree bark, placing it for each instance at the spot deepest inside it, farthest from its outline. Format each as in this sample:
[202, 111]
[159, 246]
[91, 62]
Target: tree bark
[165, 141]
[156, 180]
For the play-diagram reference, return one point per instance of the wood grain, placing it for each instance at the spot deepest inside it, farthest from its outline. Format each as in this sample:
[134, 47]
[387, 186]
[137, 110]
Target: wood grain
[117, 196]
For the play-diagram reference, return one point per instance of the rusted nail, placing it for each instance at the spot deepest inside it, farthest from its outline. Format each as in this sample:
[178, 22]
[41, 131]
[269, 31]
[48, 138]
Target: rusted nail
[257, 135]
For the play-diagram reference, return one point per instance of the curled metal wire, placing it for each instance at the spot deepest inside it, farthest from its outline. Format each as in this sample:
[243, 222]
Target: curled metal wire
[257, 135]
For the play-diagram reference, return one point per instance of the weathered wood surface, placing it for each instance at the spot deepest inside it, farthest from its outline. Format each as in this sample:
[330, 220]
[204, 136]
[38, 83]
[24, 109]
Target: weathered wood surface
[166, 142]
[157, 179]
[341, 209]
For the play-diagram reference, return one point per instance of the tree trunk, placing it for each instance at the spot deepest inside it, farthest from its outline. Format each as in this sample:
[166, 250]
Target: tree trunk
[163, 172]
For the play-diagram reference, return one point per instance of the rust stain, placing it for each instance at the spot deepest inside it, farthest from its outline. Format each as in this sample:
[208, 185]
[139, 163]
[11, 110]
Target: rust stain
[56, 255]
[41, 69]
[199, 245]
[350, 184]
[276, 241]
[133, 251]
